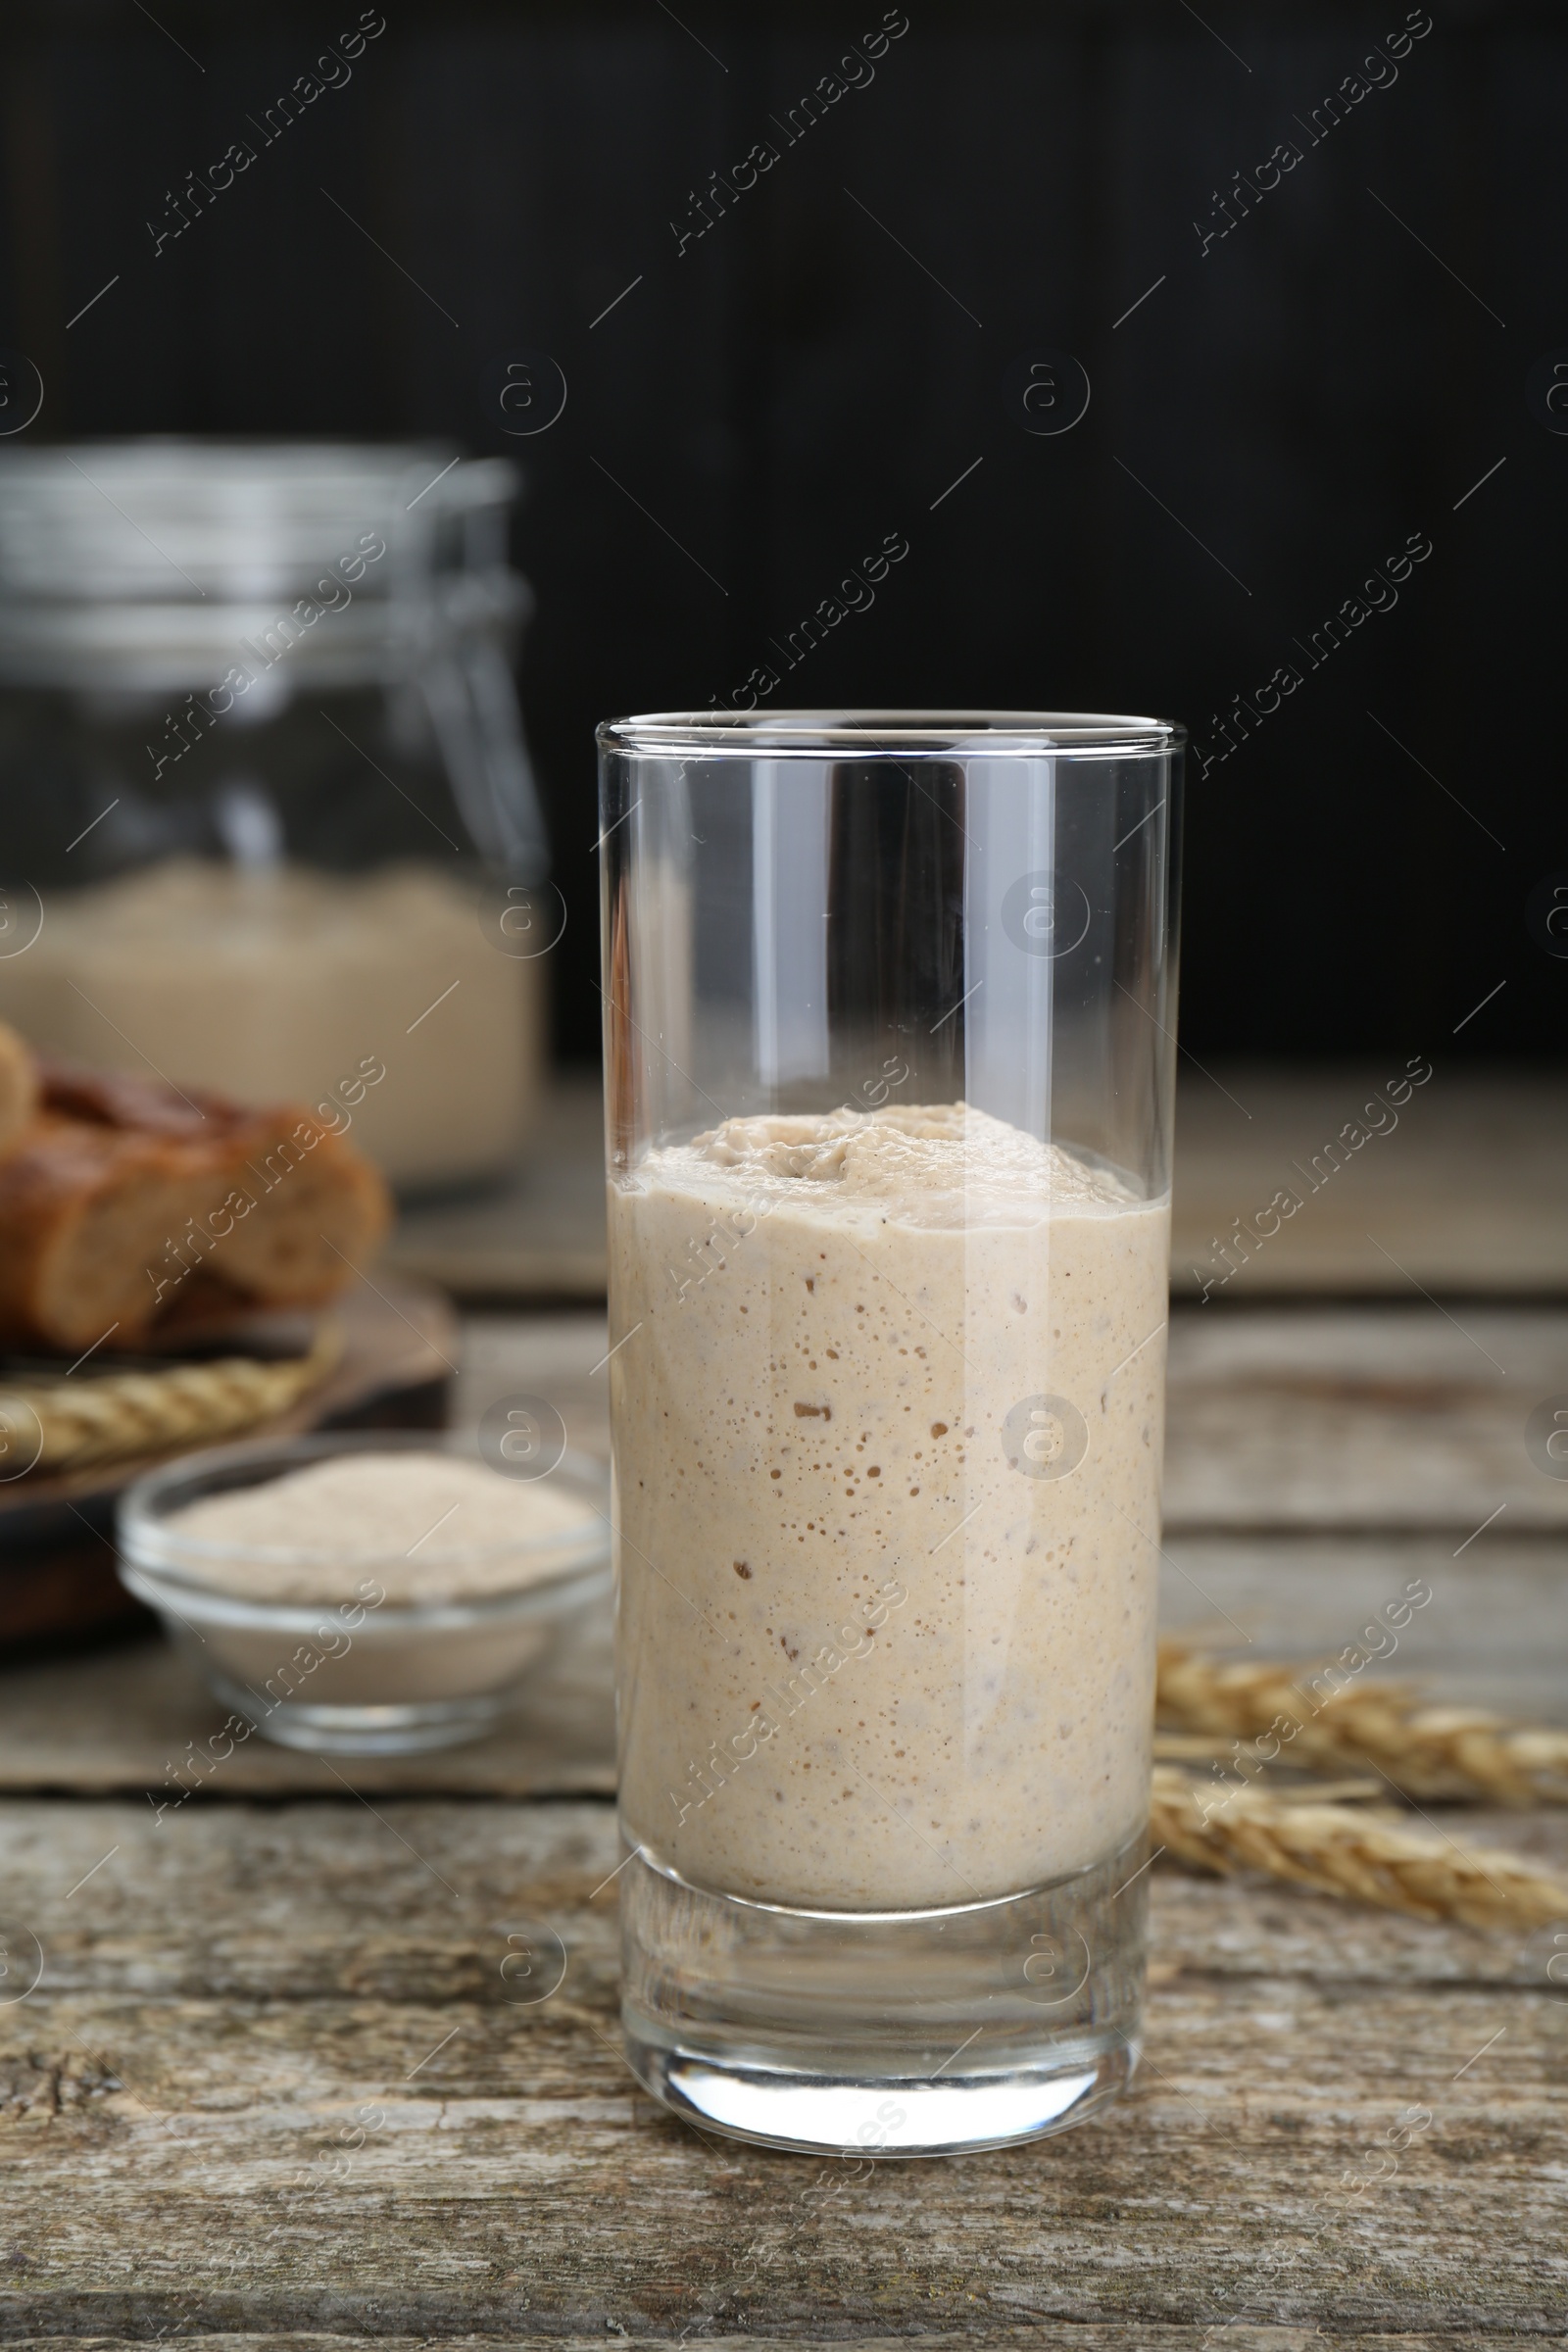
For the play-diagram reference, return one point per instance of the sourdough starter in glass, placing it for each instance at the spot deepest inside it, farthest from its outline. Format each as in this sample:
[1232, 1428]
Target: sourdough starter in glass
[888, 1455]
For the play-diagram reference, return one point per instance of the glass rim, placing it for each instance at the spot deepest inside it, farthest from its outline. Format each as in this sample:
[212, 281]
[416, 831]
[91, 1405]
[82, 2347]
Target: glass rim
[868, 733]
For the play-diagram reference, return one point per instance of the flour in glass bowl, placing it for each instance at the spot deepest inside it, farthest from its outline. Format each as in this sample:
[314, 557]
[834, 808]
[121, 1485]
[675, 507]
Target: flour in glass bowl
[437, 1528]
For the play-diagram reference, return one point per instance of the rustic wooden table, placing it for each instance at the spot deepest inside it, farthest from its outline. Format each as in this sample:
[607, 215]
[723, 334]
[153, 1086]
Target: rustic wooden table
[275, 2084]
[1459, 1187]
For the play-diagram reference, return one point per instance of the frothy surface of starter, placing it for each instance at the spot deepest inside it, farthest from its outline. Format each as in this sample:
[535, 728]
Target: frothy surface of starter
[921, 1674]
[436, 1526]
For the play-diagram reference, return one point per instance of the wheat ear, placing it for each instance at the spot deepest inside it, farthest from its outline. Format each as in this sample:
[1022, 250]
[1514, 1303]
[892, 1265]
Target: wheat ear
[1424, 1751]
[1348, 1850]
[124, 1414]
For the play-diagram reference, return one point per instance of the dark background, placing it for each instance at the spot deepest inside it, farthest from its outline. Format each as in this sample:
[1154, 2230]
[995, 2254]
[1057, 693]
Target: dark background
[1316, 389]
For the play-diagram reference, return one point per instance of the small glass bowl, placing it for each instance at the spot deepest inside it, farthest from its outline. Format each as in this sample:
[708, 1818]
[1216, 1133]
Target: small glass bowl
[356, 1677]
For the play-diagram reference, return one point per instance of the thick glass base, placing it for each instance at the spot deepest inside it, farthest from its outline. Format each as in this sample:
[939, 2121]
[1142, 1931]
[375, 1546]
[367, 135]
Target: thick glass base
[892, 2033]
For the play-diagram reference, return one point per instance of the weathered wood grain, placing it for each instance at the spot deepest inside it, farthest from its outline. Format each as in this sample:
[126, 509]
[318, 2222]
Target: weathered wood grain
[1387, 1416]
[542, 1233]
[136, 1717]
[1467, 1193]
[560, 1356]
[1362, 1417]
[303, 1898]
[1494, 1633]
[1287, 1430]
[232, 1994]
[1083, 2335]
[226, 1994]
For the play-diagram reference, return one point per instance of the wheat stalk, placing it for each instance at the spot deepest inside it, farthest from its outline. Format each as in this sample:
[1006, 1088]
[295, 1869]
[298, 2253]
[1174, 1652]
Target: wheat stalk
[1348, 1850]
[1423, 1750]
[124, 1414]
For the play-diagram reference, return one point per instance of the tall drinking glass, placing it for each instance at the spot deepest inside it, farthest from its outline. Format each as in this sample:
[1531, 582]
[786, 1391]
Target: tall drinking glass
[889, 1015]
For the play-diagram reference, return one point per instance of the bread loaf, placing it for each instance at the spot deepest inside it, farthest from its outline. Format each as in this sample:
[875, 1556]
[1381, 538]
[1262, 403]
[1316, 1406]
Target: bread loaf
[19, 1088]
[124, 1199]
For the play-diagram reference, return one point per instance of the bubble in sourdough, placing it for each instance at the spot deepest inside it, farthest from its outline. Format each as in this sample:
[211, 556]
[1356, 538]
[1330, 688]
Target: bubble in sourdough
[877, 1647]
